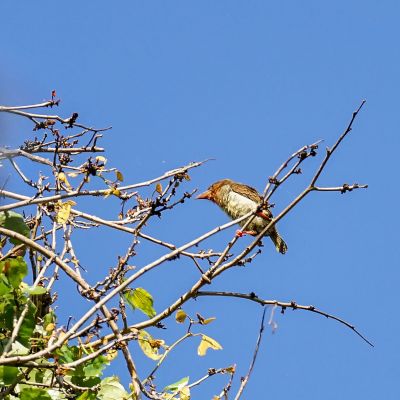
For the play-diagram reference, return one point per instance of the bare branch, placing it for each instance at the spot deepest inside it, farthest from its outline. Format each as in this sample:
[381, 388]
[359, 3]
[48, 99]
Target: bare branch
[101, 192]
[253, 361]
[97, 329]
[285, 305]
[329, 152]
[65, 121]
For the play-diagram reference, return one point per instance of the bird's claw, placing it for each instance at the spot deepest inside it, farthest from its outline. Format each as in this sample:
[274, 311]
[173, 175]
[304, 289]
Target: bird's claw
[240, 233]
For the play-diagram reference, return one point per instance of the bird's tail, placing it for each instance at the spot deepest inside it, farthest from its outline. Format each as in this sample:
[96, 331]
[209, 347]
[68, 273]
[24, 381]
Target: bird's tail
[279, 243]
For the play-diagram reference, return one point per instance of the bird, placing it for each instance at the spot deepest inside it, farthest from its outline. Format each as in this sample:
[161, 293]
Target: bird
[238, 199]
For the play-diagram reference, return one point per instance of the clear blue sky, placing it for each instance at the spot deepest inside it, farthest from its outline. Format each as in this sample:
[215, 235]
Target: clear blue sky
[246, 83]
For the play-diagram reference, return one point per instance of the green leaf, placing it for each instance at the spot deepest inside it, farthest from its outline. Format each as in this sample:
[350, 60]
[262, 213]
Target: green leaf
[84, 381]
[15, 269]
[48, 319]
[14, 222]
[67, 354]
[8, 375]
[28, 326]
[7, 309]
[32, 290]
[95, 367]
[34, 394]
[17, 349]
[87, 374]
[111, 389]
[5, 286]
[142, 300]
[173, 387]
[87, 396]
[39, 375]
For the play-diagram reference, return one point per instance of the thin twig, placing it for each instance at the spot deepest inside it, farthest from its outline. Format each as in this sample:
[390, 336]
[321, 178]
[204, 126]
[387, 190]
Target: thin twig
[245, 379]
[329, 152]
[284, 305]
[100, 192]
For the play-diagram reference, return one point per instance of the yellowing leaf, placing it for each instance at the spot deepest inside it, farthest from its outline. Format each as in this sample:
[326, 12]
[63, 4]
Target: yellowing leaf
[119, 175]
[111, 190]
[180, 316]
[159, 188]
[73, 174]
[108, 192]
[142, 300]
[63, 179]
[173, 387]
[111, 354]
[204, 321]
[207, 343]
[149, 345]
[50, 327]
[184, 393]
[61, 336]
[104, 341]
[63, 211]
[75, 261]
[231, 369]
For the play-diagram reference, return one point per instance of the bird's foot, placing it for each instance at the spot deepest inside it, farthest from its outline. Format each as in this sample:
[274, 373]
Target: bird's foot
[240, 233]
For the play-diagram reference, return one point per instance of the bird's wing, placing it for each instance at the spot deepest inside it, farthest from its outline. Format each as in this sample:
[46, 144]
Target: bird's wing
[247, 191]
[253, 195]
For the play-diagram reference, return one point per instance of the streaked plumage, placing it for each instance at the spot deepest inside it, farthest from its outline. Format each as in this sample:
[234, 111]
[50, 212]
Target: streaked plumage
[237, 199]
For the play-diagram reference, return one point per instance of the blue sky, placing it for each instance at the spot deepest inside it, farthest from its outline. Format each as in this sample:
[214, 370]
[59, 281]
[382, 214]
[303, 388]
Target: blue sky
[246, 83]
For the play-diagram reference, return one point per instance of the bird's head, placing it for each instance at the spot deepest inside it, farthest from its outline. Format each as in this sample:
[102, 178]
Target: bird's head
[215, 191]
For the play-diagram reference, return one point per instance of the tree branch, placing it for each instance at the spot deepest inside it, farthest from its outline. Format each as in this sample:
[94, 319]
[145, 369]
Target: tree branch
[253, 361]
[284, 305]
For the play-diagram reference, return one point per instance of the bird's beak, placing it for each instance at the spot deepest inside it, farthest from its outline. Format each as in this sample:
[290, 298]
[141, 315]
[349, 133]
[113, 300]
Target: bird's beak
[205, 195]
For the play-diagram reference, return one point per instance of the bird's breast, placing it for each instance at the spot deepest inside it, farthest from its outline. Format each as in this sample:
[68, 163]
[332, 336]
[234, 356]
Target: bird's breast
[237, 205]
